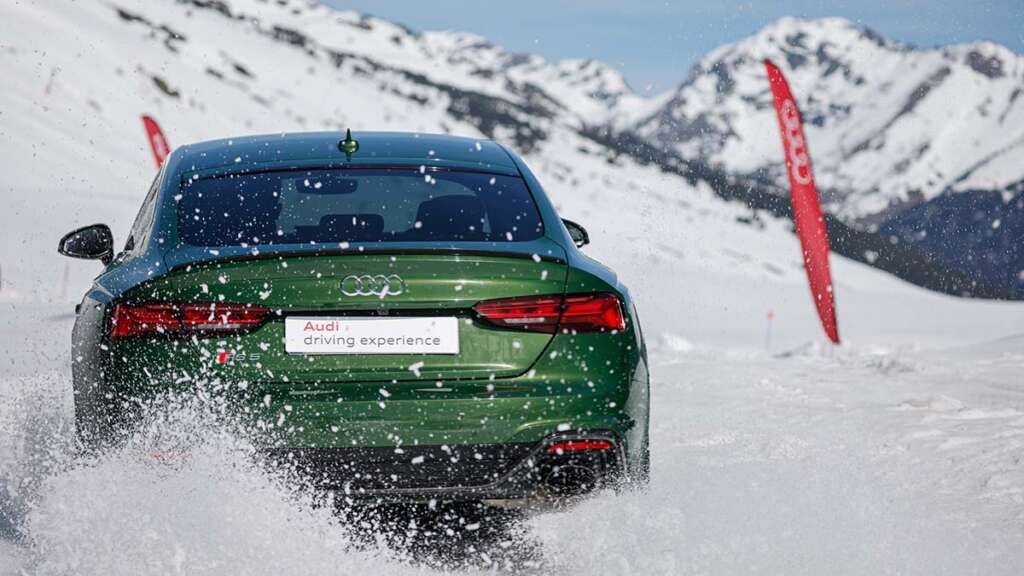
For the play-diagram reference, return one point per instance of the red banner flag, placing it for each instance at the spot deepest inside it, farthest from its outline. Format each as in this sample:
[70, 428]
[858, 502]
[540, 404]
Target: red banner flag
[157, 142]
[810, 224]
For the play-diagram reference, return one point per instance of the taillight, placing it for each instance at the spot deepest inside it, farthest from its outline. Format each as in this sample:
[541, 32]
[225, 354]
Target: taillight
[571, 446]
[184, 318]
[573, 313]
[537, 313]
[592, 312]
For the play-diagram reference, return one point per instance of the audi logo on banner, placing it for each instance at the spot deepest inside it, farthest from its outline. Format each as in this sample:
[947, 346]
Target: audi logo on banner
[796, 147]
[373, 285]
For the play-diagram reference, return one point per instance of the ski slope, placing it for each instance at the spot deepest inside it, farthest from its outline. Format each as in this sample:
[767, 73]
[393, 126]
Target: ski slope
[900, 452]
[867, 459]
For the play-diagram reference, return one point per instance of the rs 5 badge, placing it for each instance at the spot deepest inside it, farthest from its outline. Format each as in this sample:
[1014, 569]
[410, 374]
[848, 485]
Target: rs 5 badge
[225, 357]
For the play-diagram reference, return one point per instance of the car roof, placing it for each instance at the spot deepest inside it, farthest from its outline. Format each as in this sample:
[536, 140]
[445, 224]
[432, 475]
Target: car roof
[302, 148]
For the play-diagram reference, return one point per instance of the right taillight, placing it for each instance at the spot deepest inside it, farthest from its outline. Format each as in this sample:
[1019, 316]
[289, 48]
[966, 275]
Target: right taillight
[184, 319]
[591, 312]
[572, 313]
[574, 446]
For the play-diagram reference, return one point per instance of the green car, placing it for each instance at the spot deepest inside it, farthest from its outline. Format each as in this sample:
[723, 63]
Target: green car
[398, 316]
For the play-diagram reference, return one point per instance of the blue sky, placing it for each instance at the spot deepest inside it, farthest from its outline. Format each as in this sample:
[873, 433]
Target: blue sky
[654, 43]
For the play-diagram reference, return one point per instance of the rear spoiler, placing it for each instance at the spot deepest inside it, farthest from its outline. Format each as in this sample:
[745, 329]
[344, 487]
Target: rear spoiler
[184, 257]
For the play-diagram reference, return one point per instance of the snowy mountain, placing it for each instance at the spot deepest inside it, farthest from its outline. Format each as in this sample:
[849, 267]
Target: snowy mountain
[911, 142]
[890, 125]
[209, 68]
[325, 63]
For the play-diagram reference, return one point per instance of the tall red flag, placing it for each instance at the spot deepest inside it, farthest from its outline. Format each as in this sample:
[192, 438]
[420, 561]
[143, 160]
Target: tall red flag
[810, 224]
[157, 142]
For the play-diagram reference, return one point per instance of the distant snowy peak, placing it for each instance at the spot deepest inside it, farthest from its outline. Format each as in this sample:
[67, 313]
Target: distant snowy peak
[889, 125]
[573, 91]
[799, 38]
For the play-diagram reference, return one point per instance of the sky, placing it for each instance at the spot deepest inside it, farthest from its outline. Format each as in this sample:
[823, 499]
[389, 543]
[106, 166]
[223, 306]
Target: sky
[654, 43]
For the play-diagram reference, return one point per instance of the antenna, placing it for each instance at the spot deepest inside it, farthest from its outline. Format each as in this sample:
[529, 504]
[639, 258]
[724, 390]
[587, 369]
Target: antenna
[349, 145]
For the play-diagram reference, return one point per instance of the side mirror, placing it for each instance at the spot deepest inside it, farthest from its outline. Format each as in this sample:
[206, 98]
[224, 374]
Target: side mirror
[92, 242]
[578, 233]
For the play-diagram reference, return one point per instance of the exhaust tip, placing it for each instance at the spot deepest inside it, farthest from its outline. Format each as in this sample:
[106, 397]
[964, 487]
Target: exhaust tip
[570, 480]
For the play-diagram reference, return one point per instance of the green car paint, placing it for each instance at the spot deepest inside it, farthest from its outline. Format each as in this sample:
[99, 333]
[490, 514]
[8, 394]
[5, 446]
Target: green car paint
[504, 387]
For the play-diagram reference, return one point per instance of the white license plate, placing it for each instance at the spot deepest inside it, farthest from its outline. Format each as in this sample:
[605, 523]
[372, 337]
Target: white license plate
[370, 335]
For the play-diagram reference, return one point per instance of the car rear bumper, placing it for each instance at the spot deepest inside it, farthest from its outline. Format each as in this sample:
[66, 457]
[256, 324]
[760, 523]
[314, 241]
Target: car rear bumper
[510, 473]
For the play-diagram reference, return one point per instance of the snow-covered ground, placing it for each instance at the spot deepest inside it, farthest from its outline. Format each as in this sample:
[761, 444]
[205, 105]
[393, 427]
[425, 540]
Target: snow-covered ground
[900, 452]
[863, 460]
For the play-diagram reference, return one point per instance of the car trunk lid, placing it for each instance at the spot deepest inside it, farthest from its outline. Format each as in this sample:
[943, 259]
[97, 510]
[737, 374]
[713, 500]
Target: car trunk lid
[378, 284]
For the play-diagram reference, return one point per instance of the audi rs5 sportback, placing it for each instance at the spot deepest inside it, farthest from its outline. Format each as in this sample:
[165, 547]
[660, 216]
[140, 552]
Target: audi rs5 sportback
[399, 317]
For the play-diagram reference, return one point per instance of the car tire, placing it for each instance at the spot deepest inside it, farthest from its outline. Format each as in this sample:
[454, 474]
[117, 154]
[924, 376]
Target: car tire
[643, 471]
[93, 430]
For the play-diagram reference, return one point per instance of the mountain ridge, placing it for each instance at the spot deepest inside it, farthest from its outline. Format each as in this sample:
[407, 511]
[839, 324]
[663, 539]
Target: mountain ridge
[301, 65]
[876, 111]
[895, 132]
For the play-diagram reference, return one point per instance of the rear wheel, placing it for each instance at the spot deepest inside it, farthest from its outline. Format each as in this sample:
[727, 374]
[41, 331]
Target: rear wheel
[643, 473]
[94, 424]
[87, 434]
[640, 472]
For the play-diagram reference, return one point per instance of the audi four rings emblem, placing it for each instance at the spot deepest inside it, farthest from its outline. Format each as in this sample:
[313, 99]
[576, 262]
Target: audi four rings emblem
[373, 285]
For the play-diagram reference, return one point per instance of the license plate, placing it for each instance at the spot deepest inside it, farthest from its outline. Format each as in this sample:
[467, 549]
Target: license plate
[370, 335]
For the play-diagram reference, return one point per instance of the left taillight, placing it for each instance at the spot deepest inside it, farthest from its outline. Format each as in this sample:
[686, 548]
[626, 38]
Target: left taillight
[184, 318]
[570, 313]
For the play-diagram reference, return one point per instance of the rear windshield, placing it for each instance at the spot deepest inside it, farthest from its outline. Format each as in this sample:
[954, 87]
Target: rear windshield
[364, 205]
